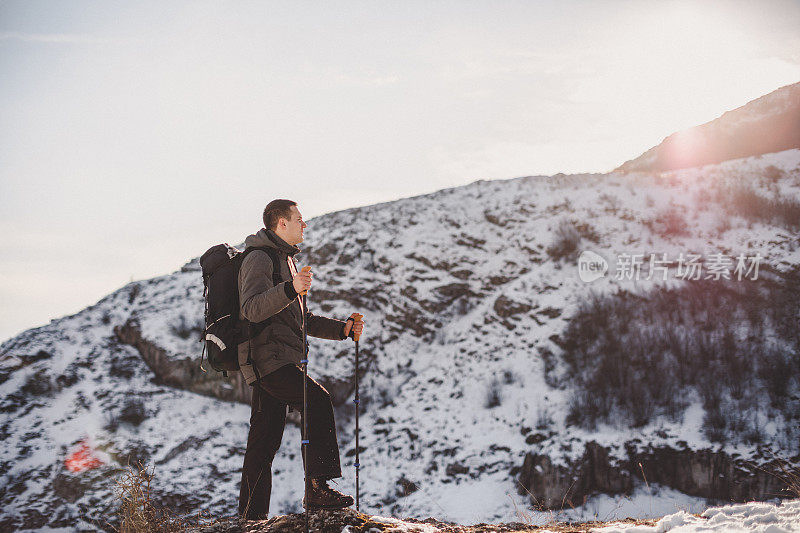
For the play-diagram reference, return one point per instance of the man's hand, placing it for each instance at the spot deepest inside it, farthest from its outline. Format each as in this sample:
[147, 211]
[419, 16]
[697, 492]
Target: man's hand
[302, 281]
[357, 325]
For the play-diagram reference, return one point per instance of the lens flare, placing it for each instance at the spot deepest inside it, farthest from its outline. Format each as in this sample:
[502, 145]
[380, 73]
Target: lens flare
[686, 148]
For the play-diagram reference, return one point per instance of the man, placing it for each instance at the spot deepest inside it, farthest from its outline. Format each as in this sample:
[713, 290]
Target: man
[269, 289]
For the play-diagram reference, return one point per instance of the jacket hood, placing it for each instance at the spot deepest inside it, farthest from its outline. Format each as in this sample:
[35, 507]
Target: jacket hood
[267, 237]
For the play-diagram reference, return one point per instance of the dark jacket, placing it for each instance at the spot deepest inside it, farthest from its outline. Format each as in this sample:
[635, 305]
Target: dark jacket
[281, 342]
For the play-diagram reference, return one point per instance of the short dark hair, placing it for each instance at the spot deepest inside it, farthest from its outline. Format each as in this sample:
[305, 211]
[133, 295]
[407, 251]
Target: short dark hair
[276, 210]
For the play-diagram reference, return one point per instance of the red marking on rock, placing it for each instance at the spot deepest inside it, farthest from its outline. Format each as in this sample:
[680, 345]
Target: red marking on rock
[82, 459]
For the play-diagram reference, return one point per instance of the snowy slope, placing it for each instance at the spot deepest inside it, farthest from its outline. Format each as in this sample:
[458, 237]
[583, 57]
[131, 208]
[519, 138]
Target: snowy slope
[461, 297]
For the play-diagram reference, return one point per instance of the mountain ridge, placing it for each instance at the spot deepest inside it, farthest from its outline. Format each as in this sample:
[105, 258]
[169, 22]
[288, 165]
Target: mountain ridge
[770, 123]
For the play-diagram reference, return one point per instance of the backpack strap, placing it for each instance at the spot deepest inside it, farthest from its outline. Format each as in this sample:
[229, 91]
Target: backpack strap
[273, 255]
[253, 329]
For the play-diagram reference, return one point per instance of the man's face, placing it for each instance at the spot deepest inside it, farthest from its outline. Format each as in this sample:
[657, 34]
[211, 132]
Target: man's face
[294, 226]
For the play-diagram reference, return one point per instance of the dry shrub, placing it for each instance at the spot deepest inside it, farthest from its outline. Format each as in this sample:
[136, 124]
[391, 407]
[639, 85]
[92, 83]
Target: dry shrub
[790, 475]
[568, 237]
[669, 222]
[631, 358]
[785, 472]
[139, 513]
[743, 200]
[773, 173]
[565, 243]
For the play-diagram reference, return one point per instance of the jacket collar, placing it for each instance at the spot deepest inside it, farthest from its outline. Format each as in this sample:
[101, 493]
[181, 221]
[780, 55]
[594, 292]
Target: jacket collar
[268, 238]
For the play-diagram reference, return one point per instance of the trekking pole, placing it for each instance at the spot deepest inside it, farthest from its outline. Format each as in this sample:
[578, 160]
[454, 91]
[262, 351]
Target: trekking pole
[356, 401]
[304, 362]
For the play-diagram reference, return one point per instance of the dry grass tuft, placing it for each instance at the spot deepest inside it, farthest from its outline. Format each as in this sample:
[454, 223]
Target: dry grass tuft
[790, 475]
[139, 513]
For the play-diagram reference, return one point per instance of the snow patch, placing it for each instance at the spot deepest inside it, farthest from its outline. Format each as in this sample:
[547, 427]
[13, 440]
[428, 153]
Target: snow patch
[749, 517]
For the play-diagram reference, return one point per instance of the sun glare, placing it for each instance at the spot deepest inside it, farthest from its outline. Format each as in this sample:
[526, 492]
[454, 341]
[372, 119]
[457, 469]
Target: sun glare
[683, 148]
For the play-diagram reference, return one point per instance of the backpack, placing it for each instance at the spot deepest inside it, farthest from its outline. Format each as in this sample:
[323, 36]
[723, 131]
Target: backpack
[224, 331]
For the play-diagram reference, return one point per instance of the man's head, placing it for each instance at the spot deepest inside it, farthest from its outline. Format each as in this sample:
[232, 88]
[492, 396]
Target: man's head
[283, 217]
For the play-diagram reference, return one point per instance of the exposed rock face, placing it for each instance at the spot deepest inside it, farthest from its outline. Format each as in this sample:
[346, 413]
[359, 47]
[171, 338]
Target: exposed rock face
[552, 486]
[703, 473]
[186, 373]
[183, 373]
[711, 474]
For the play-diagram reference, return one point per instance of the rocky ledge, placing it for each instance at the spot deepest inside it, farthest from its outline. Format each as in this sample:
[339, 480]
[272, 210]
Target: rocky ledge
[348, 520]
[185, 373]
[703, 473]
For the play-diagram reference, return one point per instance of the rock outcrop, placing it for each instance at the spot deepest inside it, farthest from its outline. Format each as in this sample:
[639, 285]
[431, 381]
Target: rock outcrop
[185, 373]
[702, 473]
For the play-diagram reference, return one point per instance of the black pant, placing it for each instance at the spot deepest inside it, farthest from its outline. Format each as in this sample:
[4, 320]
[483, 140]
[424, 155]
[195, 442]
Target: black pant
[271, 394]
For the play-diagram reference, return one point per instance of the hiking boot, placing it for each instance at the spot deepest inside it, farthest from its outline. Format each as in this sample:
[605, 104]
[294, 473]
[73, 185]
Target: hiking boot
[321, 496]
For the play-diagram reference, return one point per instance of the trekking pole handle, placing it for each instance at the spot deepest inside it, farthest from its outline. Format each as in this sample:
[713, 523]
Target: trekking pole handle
[305, 269]
[356, 318]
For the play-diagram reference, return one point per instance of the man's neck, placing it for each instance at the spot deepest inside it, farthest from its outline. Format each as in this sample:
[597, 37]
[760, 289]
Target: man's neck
[282, 237]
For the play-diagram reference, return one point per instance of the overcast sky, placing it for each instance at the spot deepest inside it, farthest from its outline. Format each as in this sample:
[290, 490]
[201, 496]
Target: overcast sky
[134, 135]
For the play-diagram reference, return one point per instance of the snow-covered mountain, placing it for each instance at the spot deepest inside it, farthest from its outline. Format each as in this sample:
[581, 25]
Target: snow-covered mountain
[768, 124]
[467, 299]
[492, 373]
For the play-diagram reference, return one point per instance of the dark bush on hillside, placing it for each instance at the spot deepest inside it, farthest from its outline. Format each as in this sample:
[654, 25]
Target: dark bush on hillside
[773, 173]
[133, 412]
[39, 384]
[744, 201]
[669, 222]
[734, 345]
[565, 244]
[184, 328]
[493, 398]
[567, 240]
